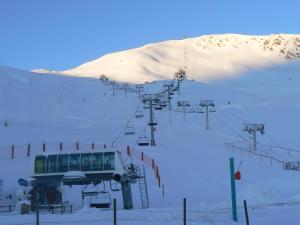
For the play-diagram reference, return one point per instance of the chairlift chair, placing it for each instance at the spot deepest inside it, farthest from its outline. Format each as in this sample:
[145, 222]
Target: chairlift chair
[139, 114]
[212, 109]
[129, 130]
[153, 123]
[101, 201]
[158, 107]
[143, 141]
[200, 110]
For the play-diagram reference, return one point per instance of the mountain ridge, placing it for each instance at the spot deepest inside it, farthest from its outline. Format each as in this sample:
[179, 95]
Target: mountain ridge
[206, 58]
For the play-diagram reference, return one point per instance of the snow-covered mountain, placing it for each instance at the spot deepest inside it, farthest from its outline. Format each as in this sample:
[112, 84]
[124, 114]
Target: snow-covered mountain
[205, 58]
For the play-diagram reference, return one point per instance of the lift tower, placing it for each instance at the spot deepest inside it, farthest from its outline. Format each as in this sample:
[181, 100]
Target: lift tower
[150, 99]
[209, 106]
[252, 128]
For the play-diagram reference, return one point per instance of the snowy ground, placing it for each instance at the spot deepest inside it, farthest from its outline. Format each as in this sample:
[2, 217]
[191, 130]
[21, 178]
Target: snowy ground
[259, 215]
[193, 162]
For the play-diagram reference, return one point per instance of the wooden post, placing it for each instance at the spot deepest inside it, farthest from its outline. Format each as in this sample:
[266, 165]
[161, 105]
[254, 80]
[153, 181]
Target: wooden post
[184, 211]
[115, 211]
[60, 146]
[28, 150]
[13, 151]
[246, 212]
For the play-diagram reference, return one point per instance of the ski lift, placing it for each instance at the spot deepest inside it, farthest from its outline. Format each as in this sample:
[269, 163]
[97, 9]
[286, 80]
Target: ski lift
[129, 130]
[212, 109]
[158, 107]
[97, 198]
[200, 110]
[153, 123]
[143, 141]
[101, 200]
[139, 114]
[163, 104]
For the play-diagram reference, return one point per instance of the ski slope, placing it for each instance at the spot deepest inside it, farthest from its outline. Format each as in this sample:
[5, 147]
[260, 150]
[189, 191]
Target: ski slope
[193, 162]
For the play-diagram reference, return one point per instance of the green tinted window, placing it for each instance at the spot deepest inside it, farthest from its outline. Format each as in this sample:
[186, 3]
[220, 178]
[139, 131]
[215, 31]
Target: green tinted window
[97, 161]
[86, 162]
[109, 160]
[51, 164]
[40, 162]
[74, 162]
[63, 163]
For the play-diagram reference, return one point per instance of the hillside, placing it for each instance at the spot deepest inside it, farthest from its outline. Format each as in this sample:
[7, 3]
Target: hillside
[205, 58]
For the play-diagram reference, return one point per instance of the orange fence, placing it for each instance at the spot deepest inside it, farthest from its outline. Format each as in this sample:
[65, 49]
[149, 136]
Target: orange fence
[147, 160]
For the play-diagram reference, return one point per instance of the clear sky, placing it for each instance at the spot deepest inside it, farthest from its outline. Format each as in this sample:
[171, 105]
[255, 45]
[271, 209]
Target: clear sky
[61, 34]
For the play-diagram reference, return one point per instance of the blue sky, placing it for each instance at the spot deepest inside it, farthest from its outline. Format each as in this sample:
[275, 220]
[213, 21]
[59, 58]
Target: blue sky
[61, 34]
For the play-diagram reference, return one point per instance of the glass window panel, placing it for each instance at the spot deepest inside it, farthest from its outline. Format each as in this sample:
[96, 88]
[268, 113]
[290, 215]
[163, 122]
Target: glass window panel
[86, 162]
[97, 161]
[63, 163]
[52, 164]
[40, 162]
[74, 162]
[109, 161]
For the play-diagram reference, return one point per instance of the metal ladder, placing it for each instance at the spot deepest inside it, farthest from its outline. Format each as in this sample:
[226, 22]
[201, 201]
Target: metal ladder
[143, 186]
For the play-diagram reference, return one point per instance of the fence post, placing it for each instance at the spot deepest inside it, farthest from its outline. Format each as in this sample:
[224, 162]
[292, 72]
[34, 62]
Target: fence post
[233, 194]
[246, 212]
[13, 151]
[184, 211]
[28, 150]
[115, 211]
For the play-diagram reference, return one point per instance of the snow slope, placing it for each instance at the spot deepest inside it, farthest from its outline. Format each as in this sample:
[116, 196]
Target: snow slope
[193, 162]
[205, 58]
